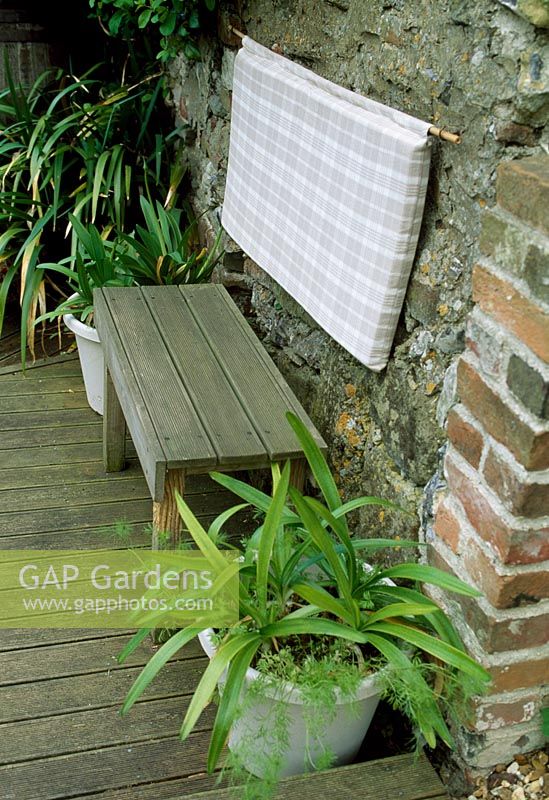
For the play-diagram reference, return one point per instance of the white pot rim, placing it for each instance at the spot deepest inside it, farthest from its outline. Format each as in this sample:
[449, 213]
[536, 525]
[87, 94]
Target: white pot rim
[80, 328]
[289, 693]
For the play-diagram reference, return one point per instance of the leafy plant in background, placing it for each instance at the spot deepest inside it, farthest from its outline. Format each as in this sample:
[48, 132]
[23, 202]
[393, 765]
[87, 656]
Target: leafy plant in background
[166, 252]
[96, 263]
[174, 23]
[163, 253]
[71, 145]
[304, 589]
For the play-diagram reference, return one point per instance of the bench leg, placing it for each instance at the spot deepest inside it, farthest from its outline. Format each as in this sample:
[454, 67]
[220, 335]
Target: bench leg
[114, 428]
[298, 470]
[167, 523]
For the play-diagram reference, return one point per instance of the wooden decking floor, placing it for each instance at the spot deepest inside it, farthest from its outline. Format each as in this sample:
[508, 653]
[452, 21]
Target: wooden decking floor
[61, 735]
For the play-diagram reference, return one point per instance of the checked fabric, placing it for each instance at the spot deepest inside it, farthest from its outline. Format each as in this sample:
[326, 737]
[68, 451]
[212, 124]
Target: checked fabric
[325, 191]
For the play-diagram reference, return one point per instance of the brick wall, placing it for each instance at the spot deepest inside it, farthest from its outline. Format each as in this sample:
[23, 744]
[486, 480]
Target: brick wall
[491, 525]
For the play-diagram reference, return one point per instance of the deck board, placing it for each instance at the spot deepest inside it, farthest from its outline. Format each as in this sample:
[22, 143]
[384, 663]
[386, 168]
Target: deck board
[61, 735]
[60, 691]
[401, 777]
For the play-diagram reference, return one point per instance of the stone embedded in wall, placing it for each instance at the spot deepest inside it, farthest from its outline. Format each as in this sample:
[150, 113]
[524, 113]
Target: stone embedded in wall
[535, 11]
[514, 133]
[422, 301]
[533, 82]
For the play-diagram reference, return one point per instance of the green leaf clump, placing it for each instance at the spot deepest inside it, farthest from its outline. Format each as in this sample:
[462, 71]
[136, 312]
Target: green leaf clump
[311, 606]
[73, 149]
[173, 24]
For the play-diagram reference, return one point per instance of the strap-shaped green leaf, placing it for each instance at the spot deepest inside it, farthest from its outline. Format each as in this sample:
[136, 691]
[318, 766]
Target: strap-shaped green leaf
[360, 502]
[200, 536]
[228, 705]
[441, 650]
[250, 494]
[325, 601]
[320, 469]
[325, 544]
[318, 627]
[437, 619]
[429, 718]
[175, 643]
[271, 527]
[400, 610]
[215, 528]
[425, 574]
[133, 644]
[339, 526]
[378, 544]
[98, 181]
[215, 669]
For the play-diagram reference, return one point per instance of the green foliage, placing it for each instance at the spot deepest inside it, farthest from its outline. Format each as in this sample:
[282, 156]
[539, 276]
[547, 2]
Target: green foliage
[166, 252]
[305, 592]
[318, 668]
[161, 254]
[71, 145]
[96, 264]
[173, 24]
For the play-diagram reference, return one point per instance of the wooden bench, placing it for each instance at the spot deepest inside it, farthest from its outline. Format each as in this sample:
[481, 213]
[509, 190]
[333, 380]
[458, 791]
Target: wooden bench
[194, 386]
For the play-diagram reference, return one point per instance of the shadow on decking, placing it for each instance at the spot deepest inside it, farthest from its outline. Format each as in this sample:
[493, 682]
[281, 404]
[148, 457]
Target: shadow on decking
[60, 690]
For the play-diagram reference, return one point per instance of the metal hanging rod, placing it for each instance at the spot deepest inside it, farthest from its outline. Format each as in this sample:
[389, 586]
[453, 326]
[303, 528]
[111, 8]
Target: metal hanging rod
[440, 133]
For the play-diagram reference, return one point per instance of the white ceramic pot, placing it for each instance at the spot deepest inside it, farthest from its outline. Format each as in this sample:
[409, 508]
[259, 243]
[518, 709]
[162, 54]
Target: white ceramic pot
[90, 354]
[342, 735]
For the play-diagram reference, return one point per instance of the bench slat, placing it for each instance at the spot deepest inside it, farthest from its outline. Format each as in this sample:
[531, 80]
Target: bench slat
[136, 414]
[260, 386]
[158, 386]
[229, 429]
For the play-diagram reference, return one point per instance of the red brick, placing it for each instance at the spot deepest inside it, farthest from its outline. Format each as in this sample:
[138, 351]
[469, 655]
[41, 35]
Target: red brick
[523, 189]
[521, 675]
[513, 310]
[496, 635]
[520, 497]
[447, 526]
[499, 714]
[514, 545]
[504, 591]
[465, 437]
[528, 446]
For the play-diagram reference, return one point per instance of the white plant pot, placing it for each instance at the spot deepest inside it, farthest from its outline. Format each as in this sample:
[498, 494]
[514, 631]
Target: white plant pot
[90, 354]
[341, 737]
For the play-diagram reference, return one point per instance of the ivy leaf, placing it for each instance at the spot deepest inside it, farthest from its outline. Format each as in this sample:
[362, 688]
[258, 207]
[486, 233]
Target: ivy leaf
[210, 4]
